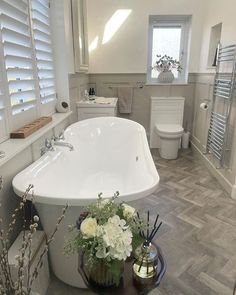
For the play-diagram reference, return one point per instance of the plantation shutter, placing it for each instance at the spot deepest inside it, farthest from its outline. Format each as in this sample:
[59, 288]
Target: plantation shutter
[44, 55]
[19, 63]
[3, 116]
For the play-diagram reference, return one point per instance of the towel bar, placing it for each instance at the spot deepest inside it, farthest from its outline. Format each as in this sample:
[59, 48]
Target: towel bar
[138, 85]
[218, 142]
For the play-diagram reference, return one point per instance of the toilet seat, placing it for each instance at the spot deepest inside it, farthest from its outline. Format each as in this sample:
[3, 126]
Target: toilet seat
[169, 129]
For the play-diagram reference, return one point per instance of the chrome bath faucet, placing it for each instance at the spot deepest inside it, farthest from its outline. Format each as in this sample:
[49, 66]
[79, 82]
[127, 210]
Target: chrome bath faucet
[63, 143]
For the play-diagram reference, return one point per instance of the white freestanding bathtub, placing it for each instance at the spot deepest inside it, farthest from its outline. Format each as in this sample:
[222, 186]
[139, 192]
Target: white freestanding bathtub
[110, 154]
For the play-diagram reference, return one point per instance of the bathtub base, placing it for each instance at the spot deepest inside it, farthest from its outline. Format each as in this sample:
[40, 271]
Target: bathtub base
[64, 267]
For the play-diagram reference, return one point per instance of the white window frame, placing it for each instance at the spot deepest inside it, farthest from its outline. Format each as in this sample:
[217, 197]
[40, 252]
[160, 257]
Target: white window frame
[170, 21]
[6, 102]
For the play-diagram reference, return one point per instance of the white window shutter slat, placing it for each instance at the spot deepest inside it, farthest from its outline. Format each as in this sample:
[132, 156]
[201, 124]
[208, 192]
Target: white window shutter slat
[19, 4]
[14, 9]
[13, 24]
[14, 74]
[17, 50]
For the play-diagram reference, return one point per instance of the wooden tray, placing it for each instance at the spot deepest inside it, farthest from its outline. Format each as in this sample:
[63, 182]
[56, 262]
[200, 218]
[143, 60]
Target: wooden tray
[30, 128]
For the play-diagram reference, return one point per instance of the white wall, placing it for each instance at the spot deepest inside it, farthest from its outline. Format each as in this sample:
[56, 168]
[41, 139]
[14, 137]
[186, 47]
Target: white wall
[126, 52]
[62, 45]
[218, 11]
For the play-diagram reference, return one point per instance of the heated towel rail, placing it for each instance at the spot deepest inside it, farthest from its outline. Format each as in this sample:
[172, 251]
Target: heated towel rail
[219, 133]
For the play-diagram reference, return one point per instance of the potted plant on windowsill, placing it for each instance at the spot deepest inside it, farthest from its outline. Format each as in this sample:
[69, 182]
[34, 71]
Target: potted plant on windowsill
[165, 64]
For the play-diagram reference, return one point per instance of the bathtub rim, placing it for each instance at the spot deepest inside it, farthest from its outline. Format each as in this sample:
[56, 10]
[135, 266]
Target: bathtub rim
[72, 201]
[84, 202]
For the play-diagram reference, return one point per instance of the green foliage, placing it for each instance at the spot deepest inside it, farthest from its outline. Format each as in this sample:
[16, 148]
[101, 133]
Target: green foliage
[115, 269]
[103, 209]
[137, 241]
[167, 63]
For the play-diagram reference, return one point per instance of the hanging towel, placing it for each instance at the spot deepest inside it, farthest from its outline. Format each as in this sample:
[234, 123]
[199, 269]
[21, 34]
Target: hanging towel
[125, 98]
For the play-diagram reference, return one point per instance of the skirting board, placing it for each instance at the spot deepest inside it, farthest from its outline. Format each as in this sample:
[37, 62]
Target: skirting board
[233, 194]
[230, 188]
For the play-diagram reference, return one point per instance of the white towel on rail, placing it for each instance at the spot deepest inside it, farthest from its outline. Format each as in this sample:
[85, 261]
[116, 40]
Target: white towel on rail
[125, 99]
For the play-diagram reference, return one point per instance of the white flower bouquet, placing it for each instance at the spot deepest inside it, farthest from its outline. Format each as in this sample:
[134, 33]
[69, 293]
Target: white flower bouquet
[106, 232]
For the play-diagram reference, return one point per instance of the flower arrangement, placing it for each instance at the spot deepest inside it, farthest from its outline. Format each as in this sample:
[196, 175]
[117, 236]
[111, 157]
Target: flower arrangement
[106, 232]
[22, 284]
[166, 63]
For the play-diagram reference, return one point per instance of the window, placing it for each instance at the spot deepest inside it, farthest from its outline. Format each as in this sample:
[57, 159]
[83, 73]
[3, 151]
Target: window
[27, 89]
[168, 35]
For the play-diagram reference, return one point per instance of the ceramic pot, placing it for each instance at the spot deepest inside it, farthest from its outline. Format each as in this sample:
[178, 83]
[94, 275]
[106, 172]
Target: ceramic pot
[102, 276]
[62, 106]
[166, 77]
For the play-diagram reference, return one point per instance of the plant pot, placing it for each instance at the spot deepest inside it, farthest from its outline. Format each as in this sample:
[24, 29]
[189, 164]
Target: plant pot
[166, 77]
[102, 276]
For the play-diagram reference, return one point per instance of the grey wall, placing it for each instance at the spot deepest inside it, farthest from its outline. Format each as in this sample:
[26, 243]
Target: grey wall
[7, 197]
[203, 92]
[201, 119]
[106, 85]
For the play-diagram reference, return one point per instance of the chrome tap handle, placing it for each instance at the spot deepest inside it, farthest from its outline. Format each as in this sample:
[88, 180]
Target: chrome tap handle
[48, 146]
[48, 143]
[54, 138]
[62, 135]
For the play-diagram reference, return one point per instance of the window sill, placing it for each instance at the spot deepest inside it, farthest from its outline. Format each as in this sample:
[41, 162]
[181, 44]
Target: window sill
[12, 147]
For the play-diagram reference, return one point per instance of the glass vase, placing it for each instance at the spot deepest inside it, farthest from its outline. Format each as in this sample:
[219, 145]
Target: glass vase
[101, 274]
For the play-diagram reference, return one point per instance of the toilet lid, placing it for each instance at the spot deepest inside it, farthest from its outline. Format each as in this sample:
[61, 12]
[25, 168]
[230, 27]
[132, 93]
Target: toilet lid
[169, 128]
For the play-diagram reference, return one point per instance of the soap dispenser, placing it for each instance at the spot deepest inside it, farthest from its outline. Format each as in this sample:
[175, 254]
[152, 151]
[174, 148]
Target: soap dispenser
[86, 95]
[91, 94]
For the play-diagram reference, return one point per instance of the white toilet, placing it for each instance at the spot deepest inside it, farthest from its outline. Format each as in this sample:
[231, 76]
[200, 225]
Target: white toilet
[166, 125]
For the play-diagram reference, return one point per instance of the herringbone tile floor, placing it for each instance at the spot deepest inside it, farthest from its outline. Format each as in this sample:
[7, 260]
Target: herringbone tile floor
[198, 236]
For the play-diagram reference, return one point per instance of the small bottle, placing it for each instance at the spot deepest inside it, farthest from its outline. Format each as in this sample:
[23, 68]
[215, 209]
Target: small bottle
[93, 91]
[91, 94]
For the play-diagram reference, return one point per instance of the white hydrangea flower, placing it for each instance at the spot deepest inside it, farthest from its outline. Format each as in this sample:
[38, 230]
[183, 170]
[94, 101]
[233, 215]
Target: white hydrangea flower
[116, 220]
[117, 239]
[101, 251]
